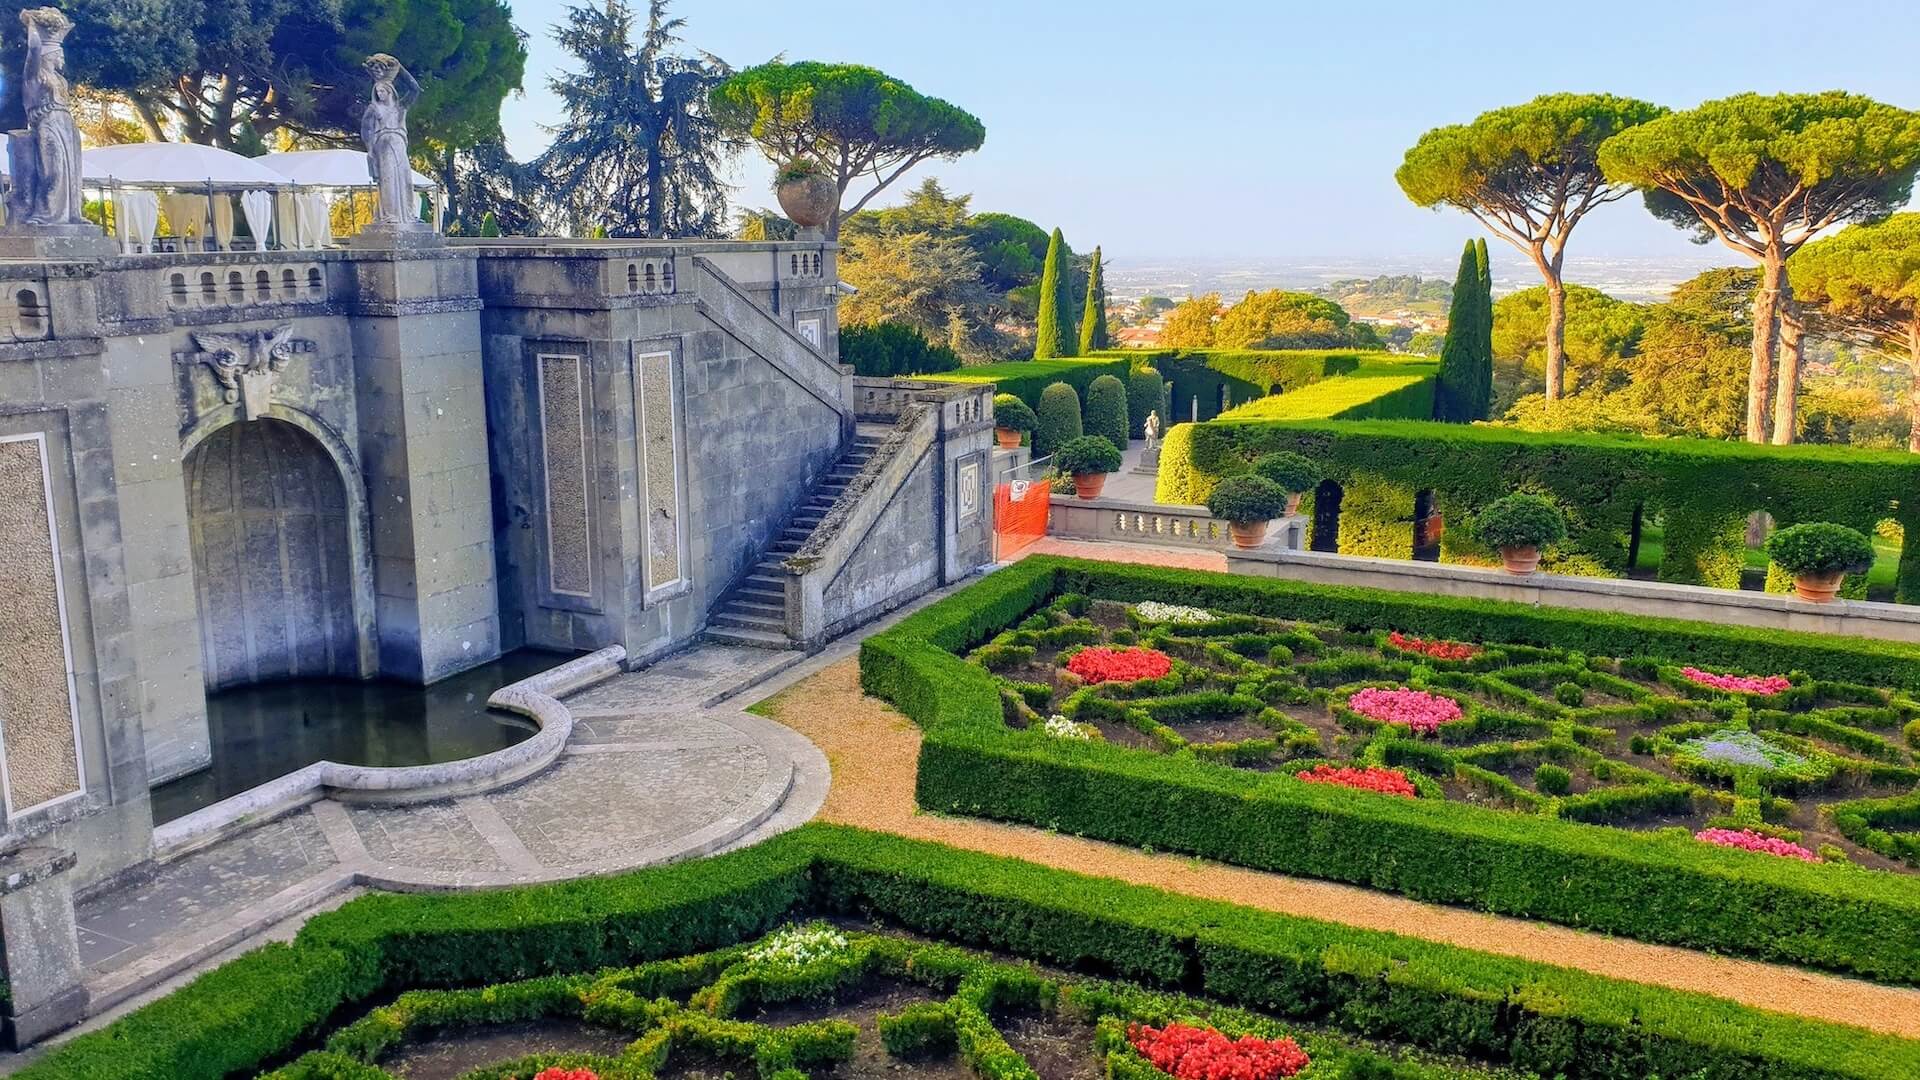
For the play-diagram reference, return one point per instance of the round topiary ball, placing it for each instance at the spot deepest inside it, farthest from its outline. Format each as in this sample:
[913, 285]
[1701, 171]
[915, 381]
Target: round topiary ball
[1107, 410]
[1295, 473]
[1246, 498]
[1087, 454]
[1057, 420]
[1011, 413]
[1819, 548]
[1520, 521]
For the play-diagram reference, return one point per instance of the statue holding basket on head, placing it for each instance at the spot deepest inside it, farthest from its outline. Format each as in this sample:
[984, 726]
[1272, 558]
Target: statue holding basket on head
[383, 127]
[45, 156]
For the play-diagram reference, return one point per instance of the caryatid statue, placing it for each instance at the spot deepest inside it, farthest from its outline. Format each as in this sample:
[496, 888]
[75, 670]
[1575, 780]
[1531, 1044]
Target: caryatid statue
[45, 157]
[383, 127]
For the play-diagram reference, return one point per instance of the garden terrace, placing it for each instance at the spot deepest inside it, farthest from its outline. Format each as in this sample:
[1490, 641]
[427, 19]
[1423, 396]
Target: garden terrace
[666, 973]
[1386, 477]
[1211, 381]
[1564, 720]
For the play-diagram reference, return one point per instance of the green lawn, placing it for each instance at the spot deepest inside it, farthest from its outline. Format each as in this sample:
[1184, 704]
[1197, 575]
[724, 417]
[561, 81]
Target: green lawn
[1880, 578]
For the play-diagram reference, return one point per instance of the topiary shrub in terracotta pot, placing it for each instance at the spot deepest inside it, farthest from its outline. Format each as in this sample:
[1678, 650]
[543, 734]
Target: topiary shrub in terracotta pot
[1247, 503]
[1520, 525]
[807, 195]
[1011, 419]
[1819, 555]
[1296, 474]
[1088, 459]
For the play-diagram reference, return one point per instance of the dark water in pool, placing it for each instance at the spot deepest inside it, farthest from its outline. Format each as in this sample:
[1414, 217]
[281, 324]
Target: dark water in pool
[270, 729]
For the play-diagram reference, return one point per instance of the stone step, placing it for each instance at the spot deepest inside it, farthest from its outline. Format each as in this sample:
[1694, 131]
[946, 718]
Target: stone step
[756, 639]
[729, 619]
[797, 532]
[762, 598]
[771, 584]
[741, 604]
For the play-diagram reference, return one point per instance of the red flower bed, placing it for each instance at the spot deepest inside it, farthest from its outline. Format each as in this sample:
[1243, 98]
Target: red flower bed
[1434, 647]
[1099, 664]
[1371, 778]
[1191, 1053]
[558, 1073]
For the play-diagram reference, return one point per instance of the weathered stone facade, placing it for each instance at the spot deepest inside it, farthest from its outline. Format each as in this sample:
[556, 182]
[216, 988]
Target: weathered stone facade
[399, 463]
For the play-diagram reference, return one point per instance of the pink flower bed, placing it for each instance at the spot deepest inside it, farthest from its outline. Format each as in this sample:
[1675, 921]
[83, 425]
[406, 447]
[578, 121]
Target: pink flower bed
[1419, 711]
[1742, 684]
[1753, 841]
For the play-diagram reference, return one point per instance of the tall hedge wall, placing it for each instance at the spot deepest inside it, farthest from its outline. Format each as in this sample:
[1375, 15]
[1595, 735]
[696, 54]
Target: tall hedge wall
[1384, 387]
[1651, 886]
[1536, 1017]
[1703, 490]
[1240, 375]
[1025, 379]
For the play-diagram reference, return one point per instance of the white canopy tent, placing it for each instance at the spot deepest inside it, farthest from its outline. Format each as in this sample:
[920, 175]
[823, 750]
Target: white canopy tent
[286, 198]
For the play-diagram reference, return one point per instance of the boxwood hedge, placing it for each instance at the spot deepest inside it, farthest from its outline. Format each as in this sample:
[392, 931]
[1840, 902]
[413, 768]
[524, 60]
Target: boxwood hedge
[1609, 485]
[1214, 379]
[1644, 885]
[1550, 1020]
[1025, 379]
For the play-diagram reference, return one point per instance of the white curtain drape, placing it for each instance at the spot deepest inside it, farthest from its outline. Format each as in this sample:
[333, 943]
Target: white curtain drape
[316, 214]
[286, 218]
[186, 214]
[258, 207]
[223, 220]
[136, 214]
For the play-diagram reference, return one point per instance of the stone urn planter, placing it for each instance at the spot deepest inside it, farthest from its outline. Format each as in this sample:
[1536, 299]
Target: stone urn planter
[1293, 502]
[1009, 438]
[1819, 588]
[1520, 560]
[806, 195]
[1247, 534]
[1088, 485]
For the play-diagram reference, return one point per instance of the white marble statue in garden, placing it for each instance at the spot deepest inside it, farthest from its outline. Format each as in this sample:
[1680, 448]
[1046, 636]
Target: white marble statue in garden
[383, 127]
[1152, 429]
[45, 158]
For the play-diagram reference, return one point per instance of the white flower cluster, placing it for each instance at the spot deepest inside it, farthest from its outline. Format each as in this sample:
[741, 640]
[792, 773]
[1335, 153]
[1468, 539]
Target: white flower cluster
[797, 946]
[1062, 728]
[1155, 611]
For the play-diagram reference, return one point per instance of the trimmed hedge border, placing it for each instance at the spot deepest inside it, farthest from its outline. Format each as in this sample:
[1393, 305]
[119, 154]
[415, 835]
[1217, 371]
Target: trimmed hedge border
[1245, 375]
[1025, 379]
[1534, 1016]
[1647, 886]
[1703, 489]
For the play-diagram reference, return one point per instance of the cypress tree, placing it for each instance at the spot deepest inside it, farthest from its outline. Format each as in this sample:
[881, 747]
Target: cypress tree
[1053, 336]
[1479, 391]
[1093, 319]
[1458, 360]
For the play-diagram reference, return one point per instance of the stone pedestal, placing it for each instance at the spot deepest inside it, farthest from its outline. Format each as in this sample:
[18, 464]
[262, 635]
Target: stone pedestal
[1149, 463]
[55, 242]
[381, 238]
[38, 945]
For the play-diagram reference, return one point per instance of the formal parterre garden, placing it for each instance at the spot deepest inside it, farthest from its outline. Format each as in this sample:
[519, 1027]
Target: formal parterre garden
[834, 952]
[1745, 791]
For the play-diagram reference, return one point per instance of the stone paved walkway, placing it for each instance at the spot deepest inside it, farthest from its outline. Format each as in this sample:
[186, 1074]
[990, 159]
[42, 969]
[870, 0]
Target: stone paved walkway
[668, 770]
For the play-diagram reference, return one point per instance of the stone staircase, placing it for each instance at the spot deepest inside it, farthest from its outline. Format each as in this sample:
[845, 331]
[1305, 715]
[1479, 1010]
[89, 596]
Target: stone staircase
[755, 612]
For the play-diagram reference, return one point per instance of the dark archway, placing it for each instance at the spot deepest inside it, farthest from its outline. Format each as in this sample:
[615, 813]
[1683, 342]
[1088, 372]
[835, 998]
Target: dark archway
[1428, 526]
[273, 570]
[1326, 516]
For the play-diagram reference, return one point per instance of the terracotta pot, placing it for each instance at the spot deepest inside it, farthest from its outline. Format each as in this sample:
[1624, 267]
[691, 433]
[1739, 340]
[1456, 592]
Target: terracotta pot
[1293, 503]
[1088, 485]
[1520, 560]
[1009, 438]
[808, 202]
[1819, 588]
[1247, 534]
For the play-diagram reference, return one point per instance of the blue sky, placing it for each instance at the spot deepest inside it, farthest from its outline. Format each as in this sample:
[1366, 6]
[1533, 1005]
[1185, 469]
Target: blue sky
[1270, 129]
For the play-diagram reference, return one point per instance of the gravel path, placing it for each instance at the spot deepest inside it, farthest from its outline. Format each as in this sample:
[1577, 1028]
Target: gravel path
[873, 751]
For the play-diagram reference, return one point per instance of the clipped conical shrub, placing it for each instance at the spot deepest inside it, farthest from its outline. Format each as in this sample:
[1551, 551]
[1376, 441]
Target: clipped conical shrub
[1107, 410]
[1053, 334]
[489, 225]
[1059, 419]
[1093, 317]
[1459, 360]
[1146, 393]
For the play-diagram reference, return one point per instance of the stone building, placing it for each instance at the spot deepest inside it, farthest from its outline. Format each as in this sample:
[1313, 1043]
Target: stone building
[223, 468]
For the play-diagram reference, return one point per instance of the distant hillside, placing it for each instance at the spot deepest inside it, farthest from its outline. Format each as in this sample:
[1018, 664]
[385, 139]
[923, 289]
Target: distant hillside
[1389, 293]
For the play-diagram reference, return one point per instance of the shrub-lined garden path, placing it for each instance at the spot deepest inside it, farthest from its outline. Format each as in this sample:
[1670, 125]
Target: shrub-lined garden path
[874, 750]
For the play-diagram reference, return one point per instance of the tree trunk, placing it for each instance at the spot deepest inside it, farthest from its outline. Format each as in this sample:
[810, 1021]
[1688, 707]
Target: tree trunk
[1766, 320]
[656, 178]
[1556, 336]
[1913, 389]
[1786, 401]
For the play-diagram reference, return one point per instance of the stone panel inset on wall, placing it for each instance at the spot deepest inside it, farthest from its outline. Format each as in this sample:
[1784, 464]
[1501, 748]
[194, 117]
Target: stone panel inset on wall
[39, 731]
[272, 567]
[660, 465]
[563, 438]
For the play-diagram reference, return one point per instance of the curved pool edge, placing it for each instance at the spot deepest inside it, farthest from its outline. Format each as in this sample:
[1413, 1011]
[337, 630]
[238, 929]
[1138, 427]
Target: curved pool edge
[536, 697]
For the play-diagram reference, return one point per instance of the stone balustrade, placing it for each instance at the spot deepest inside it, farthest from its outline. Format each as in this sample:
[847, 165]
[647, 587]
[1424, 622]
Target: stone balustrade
[1163, 524]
